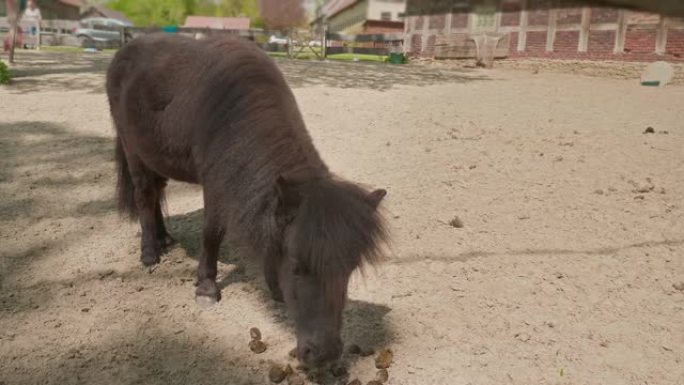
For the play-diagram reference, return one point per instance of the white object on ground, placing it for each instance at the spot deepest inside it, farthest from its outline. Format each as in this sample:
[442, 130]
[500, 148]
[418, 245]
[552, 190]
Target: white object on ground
[659, 71]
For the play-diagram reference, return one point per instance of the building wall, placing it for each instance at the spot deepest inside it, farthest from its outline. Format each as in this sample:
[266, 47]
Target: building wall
[548, 30]
[395, 7]
[51, 10]
[58, 10]
[349, 20]
[383, 27]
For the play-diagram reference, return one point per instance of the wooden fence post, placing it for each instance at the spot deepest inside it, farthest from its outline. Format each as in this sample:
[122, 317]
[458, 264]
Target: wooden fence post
[324, 42]
[583, 43]
[522, 33]
[620, 33]
[661, 36]
[551, 32]
[39, 27]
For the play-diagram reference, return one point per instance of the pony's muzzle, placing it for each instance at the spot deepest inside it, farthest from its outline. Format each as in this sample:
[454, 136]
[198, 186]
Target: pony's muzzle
[318, 354]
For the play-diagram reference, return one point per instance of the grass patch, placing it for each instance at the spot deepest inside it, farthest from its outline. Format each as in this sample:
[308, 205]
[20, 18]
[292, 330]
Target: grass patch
[358, 57]
[302, 56]
[5, 75]
[63, 48]
[337, 56]
[60, 48]
[306, 55]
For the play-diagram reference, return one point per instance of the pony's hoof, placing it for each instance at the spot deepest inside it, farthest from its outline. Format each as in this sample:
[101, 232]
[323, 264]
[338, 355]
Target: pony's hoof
[205, 302]
[207, 293]
[149, 269]
[149, 260]
[166, 241]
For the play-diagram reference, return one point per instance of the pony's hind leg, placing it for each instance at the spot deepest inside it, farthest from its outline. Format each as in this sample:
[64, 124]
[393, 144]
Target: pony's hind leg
[207, 292]
[147, 193]
[163, 237]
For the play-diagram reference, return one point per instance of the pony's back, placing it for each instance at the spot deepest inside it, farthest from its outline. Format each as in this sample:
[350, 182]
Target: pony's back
[219, 113]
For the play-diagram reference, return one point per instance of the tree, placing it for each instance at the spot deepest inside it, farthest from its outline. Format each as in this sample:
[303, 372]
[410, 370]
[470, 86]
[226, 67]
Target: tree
[233, 8]
[230, 8]
[282, 14]
[13, 16]
[174, 12]
[155, 12]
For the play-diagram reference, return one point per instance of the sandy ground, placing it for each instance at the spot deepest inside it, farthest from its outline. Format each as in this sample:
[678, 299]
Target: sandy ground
[562, 274]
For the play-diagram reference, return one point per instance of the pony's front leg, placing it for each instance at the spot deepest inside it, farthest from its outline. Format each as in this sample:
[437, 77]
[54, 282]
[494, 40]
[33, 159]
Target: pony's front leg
[207, 292]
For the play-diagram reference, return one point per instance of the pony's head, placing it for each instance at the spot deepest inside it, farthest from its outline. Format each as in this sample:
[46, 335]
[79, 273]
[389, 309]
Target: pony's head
[330, 228]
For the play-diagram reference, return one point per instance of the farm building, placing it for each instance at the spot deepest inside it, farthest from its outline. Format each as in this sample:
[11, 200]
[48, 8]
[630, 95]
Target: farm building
[543, 28]
[232, 23]
[363, 16]
[51, 9]
[101, 11]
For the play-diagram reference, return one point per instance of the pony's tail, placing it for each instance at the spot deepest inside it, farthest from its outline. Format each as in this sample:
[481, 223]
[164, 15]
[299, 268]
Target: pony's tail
[125, 191]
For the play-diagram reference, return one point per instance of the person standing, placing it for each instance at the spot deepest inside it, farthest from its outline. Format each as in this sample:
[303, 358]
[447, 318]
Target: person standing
[33, 17]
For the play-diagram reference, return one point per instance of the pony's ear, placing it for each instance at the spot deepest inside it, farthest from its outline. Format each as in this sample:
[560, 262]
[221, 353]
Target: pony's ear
[375, 198]
[288, 196]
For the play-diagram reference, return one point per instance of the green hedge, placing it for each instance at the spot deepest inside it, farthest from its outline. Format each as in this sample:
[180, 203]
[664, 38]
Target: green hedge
[4, 73]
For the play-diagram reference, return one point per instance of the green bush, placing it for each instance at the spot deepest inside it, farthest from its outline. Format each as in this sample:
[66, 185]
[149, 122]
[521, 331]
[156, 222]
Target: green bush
[4, 73]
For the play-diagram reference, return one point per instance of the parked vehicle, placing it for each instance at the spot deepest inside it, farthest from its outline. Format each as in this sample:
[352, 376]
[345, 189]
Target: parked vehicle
[277, 40]
[282, 40]
[100, 32]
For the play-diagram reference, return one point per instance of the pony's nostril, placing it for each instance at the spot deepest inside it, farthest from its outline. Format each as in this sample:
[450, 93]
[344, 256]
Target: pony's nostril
[307, 353]
[318, 354]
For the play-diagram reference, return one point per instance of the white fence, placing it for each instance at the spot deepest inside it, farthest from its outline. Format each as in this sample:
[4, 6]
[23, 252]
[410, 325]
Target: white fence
[52, 32]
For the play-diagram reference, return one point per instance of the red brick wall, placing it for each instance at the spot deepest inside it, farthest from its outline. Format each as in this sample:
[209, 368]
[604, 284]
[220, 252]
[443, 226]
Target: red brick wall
[536, 42]
[538, 12]
[416, 44]
[510, 14]
[566, 42]
[379, 29]
[510, 19]
[538, 17]
[514, 42]
[418, 22]
[640, 40]
[675, 42]
[437, 21]
[569, 16]
[642, 18]
[604, 15]
[459, 20]
[601, 42]
[429, 49]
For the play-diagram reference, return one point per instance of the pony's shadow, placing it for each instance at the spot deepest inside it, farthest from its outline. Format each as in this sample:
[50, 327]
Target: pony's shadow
[365, 323]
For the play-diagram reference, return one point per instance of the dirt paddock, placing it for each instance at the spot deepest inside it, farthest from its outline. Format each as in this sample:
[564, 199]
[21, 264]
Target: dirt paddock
[566, 269]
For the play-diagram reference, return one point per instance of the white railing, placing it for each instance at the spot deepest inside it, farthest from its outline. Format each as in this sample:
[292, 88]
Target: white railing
[52, 32]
